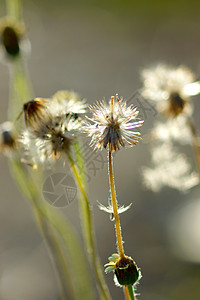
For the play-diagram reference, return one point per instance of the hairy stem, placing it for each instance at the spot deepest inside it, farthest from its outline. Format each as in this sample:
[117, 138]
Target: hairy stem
[115, 209]
[88, 232]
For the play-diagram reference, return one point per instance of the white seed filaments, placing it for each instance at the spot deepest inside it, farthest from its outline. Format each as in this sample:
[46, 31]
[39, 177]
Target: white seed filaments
[52, 126]
[112, 125]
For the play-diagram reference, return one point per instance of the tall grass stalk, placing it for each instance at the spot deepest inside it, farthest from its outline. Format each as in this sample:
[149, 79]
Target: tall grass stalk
[86, 217]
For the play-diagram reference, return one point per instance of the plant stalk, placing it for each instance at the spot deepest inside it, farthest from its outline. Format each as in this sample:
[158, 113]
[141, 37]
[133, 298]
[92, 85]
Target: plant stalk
[14, 9]
[115, 208]
[126, 293]
[88, 232]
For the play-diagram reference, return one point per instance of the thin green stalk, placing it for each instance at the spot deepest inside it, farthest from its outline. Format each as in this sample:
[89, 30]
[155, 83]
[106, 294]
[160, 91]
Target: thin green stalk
[80, 162]
[131, 292]
[114, 204]
[14, 9]
[20, 90]
[88, 232]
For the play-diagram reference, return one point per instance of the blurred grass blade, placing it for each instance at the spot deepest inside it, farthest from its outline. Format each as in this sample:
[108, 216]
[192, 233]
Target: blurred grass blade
[76, 260]
[87, 224]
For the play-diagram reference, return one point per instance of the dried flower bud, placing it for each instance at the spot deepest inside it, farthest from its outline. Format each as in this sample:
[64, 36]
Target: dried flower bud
[10, 40]
[126, 271]
[11, 34]
[176, 105]
[7, 139]
[35, 112]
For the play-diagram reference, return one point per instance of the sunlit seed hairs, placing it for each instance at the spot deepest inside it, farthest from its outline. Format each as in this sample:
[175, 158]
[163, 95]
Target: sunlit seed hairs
[65, 103]
[169, 168]
[171, 88]
[50, 131]
[112, 126]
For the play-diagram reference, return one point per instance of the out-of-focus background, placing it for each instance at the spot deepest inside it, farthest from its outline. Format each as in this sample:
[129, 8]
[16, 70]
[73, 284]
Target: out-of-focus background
[98, 48]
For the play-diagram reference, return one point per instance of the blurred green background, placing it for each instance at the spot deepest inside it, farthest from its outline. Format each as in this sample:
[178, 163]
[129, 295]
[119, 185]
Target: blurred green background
[98, 48]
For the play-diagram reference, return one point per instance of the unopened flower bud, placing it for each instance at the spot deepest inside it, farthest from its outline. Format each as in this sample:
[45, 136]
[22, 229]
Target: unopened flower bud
[11, 35]
[126, 271]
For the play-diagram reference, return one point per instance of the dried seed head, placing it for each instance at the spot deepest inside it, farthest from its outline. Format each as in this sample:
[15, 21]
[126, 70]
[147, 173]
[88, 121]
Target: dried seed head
[112, 126]
[35, 112]
[171, 88]
[50, 129]
[11, 33]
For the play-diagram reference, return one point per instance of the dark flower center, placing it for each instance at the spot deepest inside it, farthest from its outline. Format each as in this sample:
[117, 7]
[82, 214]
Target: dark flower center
[176, 104]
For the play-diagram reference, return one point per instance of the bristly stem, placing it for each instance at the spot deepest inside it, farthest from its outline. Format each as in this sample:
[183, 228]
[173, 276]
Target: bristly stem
[114, 204]
[88, 232]
[195, 143]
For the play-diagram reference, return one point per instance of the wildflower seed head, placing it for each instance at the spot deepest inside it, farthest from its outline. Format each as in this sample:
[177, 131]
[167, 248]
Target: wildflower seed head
[171, 88]
[7, 138]
[124, 268]
[112, 124]
[49, 135]
[11, 33]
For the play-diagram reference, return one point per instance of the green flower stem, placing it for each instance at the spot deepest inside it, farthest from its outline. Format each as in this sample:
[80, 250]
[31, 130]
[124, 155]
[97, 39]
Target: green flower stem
[88, 232]
[114, 204]
[14, 9]
[80, 162]
[20, 91]
[131, 292]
